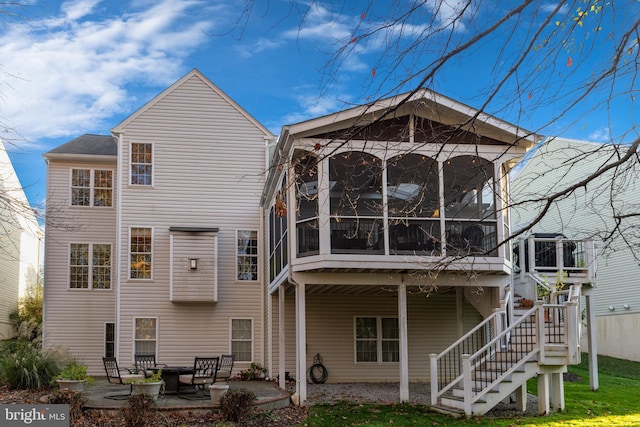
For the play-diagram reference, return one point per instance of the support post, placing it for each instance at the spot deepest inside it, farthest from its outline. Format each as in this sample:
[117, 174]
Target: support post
[404, 348]
[301, 344]
[433, 364]
[282, 382]
[557, 391]
[591, 339]
[543, 394]
[521, 397]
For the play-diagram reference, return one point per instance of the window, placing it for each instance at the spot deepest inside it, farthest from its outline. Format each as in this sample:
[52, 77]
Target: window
[140, 250]
[109, 339]
[377, 339]
[247, 255]
[91, 187]
[141, 164]
[146, 335]
[89, 266]
[241, 340]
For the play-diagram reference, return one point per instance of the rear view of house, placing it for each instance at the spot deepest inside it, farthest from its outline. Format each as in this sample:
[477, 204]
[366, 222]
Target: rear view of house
[156, 247]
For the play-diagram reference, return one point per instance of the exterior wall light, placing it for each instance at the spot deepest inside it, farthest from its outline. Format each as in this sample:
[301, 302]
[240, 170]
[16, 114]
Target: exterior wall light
[626, 306]
[611, 308]
[193, 263]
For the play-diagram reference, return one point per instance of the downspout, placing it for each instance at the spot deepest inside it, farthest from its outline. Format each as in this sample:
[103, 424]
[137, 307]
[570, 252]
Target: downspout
[118, 257]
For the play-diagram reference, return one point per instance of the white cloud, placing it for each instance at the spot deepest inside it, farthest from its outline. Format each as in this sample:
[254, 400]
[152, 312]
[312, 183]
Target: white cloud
[68, 73]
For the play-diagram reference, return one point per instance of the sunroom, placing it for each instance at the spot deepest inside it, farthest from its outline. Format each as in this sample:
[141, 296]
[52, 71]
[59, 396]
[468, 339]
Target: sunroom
[371, 189]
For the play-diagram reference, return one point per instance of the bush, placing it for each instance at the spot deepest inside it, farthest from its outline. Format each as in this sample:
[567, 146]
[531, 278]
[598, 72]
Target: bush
[140, 408]
[24, 366]
[255, 371]
[236, 404]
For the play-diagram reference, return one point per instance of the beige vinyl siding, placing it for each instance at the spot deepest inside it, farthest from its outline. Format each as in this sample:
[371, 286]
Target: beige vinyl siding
[198, 285]
[208, 160]
[330, 332]
[74, 318]
[10, 269]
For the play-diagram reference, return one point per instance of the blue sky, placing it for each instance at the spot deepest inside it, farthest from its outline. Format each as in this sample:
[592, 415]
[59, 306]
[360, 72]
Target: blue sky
[81, 66]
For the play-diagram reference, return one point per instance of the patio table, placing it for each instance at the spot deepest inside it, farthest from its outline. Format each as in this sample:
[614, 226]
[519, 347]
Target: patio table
[170, 376]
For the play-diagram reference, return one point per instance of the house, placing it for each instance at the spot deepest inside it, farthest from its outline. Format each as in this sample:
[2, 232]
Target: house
[386, 260]
[160, 250]
[590, 212]
[19, 243]
[366, 245]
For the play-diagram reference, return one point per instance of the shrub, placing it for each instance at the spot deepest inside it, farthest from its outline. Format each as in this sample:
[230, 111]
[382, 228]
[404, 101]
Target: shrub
[24, 366]
[140, 408]
[74, 399]
[255, 371]
[236, 404]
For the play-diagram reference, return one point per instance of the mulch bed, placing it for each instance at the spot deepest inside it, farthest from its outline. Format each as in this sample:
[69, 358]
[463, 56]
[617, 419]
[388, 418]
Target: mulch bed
[289, 416]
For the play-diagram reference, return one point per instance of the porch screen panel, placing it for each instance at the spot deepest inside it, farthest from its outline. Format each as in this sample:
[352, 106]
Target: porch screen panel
[306, 170]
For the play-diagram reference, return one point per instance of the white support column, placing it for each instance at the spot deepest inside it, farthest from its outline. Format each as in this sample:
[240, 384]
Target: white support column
[591, 339]
[404, 347]
[521, 397]
[557, 391]
[281, 338]
[301, 344]
[543, 394]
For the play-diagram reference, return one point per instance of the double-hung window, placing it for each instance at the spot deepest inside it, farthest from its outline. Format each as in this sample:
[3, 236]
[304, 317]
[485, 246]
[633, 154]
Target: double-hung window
[141, 164]
[247, 253]
[90, 266]
[140, 251]
[242, 339]
[377, 339]
[146, 335]
[91, 187]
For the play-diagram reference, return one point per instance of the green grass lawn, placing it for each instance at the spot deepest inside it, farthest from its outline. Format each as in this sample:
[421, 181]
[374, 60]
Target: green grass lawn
[615, 403]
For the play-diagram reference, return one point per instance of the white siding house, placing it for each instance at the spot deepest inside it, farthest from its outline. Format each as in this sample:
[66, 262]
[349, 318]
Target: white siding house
[589, 213]
[386, 229]
[20, 237]
[175, 241]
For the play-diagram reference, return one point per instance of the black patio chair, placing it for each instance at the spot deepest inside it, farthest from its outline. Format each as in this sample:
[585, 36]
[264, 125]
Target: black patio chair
[115, 375]
[146, 363]
[204, 373]
[225, 366]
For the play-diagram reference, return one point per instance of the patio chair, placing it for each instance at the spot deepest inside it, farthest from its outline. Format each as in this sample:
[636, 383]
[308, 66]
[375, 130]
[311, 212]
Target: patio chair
[204, 373]
[225, 366]
[146, 363]
[115, 375]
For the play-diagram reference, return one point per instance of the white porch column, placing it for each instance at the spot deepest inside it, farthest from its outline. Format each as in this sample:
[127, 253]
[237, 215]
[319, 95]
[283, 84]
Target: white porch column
[557, 391]
[543, 394]
[301, 345]
[591, 339]
[282, 382]
[404, 347]
[521, 397]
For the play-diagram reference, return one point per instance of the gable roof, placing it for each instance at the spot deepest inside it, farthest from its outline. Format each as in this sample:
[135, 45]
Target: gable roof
[85, 145]
[422, 103]
[193, 73]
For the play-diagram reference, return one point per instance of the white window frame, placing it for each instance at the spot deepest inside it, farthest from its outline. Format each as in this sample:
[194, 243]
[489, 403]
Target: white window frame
[146, 279]
[104, 352]
[255, 257]
[136, 339]
[232, 340]
[92, 188]
[131, 163]
[379, 339]
[90, 266]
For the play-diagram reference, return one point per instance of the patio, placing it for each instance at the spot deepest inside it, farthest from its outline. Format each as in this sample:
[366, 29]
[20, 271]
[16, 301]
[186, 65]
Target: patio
[268, 396]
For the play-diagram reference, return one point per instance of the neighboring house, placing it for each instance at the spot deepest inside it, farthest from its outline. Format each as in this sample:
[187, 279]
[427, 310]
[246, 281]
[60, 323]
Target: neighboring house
[384, 231]
[589, 213]
[161, 249]
[20, 237]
